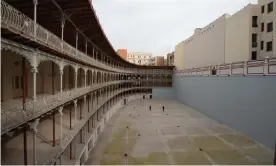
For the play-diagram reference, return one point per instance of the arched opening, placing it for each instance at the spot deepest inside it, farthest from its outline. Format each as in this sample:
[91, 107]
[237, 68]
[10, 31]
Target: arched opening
[68, 78]
[98, 77]
[13, 69]
[48, 79]
[89, 78]
[81, 78]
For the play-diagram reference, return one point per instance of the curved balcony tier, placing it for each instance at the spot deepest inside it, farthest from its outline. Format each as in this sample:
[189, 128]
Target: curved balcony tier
[19, 27]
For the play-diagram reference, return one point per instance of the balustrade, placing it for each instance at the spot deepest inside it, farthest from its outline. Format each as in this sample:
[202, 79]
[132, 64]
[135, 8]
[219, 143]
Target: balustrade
[18, 23]
[260, 67]
[68, 137]
[13, 114]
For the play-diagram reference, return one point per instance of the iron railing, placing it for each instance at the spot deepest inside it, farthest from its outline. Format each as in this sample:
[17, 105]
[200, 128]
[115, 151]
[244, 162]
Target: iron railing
[14, 115]
[18, 23]
[58, 150]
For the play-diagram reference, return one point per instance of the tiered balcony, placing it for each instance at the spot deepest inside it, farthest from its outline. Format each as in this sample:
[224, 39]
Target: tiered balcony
[12, 114]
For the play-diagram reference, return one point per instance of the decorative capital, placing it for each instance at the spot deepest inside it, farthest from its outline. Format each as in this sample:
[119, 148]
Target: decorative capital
[35, 2]
[60, 110]
[34, 70]
[62, 21]
[33, 125]
[75, 103]
[76, 67]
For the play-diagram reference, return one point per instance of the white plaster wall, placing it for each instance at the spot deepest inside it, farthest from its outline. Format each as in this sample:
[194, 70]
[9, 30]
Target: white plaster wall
[178, 56]
[238, 36]
[206, 47]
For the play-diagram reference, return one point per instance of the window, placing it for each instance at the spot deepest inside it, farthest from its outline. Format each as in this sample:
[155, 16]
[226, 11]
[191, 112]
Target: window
[262, 45]
[270, 7]
[262, 27]
[255, 21]
[254, 55]
[270, 27]
[254, 37]
[263, 9]
[269, 46]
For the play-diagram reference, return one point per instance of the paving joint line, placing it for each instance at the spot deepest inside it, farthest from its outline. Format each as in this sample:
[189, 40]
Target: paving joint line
[234, 147]
[166, 146]
[209, 158]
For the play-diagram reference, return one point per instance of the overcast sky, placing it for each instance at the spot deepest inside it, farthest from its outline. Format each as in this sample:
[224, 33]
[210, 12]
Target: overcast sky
[156, 26]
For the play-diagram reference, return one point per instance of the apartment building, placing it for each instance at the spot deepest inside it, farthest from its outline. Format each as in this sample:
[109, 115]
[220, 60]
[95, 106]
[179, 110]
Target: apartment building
[266, 28]
[139, 58]
[159, 61]
[170, 59]
[205, 47]
[246, 35]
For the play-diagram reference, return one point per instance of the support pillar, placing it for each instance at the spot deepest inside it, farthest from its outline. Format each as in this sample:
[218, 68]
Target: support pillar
[76, 79]
[70, 117]
[70, 152]
[88, 103]
[33, 126]
[84, 105]
[85, 75]
[61, 76]
[75, 111]
[35, 17]
[53, 78]
[62, 31]
[34, 71]
[25, 145]
[54, 128]
[80, 111]
[61, 123]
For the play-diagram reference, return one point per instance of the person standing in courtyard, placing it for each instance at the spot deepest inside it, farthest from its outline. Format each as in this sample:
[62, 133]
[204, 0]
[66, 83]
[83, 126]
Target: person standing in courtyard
[150, 108]
[163, 108]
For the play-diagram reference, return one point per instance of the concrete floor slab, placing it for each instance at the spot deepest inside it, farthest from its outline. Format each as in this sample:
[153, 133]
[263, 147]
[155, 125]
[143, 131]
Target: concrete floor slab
[180, 135]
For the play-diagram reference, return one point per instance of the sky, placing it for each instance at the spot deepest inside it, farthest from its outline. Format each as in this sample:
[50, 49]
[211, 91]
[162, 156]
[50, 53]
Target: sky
[157, 26]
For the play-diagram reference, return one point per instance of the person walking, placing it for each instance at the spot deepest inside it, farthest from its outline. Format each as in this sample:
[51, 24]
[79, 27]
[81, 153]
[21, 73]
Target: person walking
[150, 108]
[163, 108]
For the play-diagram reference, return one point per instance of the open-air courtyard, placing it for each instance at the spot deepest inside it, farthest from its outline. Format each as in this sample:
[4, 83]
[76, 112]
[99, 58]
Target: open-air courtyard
[179, 135]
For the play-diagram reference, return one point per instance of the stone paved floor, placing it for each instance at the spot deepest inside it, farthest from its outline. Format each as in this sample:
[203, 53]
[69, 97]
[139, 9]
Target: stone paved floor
[180, 135]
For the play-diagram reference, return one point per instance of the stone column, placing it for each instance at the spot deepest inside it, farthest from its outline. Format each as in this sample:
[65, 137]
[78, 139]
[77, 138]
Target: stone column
[35, 16]
[85, 75]
[61, 126]
[33, 126]
[62, 30]
[76, 79]
[84, 106]
[75, 111]
[61, 78]
[34, 71]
